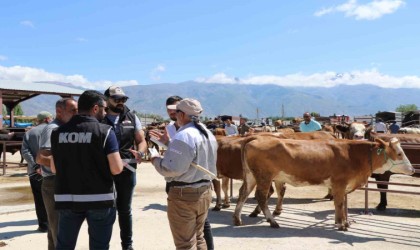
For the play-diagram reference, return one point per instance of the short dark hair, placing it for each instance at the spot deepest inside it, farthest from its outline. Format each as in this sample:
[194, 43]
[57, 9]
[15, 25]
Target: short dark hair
[62, 102]
[173, 99]
[90, 98]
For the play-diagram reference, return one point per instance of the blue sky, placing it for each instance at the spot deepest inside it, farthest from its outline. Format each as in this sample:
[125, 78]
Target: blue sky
[290, 43]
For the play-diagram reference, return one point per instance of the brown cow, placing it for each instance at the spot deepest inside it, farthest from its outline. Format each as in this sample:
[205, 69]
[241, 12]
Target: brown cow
[220, 131]
[339, 164]
[229, 163]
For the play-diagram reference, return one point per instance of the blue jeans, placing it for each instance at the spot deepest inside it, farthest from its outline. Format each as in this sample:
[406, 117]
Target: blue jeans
[100, 222]
[124, 185]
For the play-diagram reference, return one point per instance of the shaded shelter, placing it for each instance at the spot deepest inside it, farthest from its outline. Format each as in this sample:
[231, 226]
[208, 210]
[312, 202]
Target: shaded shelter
[12, 93]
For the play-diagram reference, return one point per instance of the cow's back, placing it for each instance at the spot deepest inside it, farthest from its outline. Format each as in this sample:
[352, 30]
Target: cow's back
[307, 162]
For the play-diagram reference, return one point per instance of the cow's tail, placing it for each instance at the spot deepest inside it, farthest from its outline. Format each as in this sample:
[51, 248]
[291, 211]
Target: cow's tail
[247, 173]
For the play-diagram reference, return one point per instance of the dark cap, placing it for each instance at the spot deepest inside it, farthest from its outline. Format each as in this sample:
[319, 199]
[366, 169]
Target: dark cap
[114, 91]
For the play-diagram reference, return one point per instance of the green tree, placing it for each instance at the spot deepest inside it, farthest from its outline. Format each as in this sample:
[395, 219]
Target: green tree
[16, 111]
[315, 114]
[406, 108]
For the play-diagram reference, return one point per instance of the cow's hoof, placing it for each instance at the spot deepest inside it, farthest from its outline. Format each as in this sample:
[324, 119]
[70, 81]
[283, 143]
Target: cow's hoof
[216, 208]
[274, 224]
[381, 207]
[225, 205]
[253, 214]
[343, 228]
[237, 222]
[276, 213]
[329, 197]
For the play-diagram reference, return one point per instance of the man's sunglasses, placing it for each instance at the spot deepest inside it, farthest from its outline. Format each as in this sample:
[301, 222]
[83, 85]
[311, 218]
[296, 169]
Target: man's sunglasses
[178, 110]
[119, 99]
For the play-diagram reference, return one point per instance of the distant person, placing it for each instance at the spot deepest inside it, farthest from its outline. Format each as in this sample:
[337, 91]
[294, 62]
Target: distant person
[308, 124]
[30, 148]
[243, 128]
[173, 126]
[380, 126]
[85, 156]
[130, 135]
[65, 109]
[230, 128]
[189, 196]
[394, 128]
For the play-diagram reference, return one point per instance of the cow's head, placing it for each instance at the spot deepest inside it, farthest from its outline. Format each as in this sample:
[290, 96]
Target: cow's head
[396, 161]
[357, 131]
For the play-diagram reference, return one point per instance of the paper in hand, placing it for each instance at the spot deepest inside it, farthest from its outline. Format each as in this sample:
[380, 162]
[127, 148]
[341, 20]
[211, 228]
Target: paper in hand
[153, 153]
[160, 144]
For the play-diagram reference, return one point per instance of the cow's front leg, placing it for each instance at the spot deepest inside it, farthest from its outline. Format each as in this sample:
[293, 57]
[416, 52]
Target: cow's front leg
[340, 219]
[216, 185]
[225, 188]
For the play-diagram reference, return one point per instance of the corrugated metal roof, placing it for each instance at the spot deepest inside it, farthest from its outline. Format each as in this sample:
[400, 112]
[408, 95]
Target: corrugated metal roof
[40, 87]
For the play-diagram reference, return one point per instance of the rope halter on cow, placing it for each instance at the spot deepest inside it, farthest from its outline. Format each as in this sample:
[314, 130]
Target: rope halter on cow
[393, 163]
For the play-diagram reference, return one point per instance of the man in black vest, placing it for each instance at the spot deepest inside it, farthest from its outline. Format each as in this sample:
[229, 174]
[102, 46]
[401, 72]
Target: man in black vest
[84, 157]
[130, 135]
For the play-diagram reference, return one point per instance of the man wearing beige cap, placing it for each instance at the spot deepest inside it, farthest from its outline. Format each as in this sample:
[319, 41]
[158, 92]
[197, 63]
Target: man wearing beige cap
[189, 195]
[30, 148]
[130, 135]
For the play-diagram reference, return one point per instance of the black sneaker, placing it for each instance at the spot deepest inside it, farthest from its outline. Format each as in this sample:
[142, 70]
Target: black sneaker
[42, 229]
[128, 248]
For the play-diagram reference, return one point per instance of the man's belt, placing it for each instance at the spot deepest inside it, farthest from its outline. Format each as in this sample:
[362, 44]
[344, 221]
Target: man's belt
[181, 183]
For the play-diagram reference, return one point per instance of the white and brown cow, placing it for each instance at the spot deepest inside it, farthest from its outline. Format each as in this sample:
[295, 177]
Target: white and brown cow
[229, 164]
[412, 154]
[353, 131]
[341, 165]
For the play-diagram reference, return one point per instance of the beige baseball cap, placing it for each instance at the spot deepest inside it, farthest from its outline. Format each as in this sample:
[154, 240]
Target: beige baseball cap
[190, 106]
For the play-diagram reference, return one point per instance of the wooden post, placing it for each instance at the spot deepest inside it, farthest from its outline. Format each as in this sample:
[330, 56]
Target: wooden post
[1, 110]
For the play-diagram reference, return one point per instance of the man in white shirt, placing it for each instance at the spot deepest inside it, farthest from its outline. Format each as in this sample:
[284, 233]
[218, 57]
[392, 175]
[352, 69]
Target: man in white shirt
[380, 127]
[230, 128]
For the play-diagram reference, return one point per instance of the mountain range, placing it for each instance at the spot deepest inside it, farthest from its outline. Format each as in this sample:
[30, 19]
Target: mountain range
[257, 100]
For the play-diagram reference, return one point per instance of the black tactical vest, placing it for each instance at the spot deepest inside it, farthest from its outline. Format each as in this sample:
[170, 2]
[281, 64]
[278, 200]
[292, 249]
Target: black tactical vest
[83, 179]
[125, 136]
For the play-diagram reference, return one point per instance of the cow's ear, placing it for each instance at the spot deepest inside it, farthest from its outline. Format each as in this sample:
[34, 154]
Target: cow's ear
[380, 143]
[393, 141]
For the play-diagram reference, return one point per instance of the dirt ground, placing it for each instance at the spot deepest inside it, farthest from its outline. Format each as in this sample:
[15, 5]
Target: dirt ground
[307, 221]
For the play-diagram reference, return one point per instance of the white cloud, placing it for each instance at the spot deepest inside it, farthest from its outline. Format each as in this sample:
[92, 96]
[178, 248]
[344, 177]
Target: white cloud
[81, 39]
[155, 73]
[325, 79]
[29, 75]
[3, 58]
[27, 23]
[369, 11]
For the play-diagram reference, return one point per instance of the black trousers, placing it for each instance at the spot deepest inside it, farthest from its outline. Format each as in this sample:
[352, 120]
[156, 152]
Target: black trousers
[41, 213]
